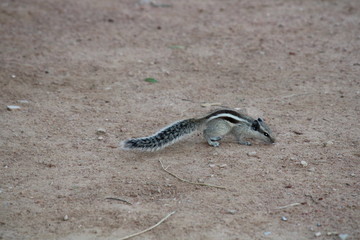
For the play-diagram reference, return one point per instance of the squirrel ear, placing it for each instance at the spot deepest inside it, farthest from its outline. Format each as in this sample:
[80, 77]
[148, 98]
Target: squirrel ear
[255, 125]
[260, 119]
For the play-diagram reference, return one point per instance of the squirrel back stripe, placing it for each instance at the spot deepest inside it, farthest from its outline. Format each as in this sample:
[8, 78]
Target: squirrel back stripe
[229, 115]
[162, 138]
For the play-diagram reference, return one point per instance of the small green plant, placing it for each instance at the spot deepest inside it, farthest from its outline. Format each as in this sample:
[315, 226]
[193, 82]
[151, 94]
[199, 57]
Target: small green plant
[151, 80]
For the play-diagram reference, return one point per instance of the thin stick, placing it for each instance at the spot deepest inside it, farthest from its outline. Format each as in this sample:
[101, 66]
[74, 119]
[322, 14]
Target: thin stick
[119, 199]
[148, 229]
[290, 205]
[295, 95]
[187, 181]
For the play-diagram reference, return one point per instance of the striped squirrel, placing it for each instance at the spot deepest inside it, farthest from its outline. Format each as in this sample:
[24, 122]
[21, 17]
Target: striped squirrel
[215, 125]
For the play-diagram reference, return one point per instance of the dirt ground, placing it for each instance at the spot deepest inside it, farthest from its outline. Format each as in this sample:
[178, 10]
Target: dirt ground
[76, 67]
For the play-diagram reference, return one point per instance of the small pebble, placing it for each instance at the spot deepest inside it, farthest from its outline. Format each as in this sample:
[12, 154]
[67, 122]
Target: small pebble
[304, 163]
[223, 165]
[343, 236]
[200, 180]
[212, 165]
[317, 234]
[100, 138]
[66, 217]
[284, 218]
[12, 107]
[312, 169]
[328, 143]
[23, 101]
[100, 131]
[230, 211]
[331, 233]
[252, 154]
[13, 76]
[267, 233]
[166, 72]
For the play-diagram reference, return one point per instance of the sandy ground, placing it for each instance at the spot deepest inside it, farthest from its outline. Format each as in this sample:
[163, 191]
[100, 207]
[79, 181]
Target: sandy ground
[81, 65]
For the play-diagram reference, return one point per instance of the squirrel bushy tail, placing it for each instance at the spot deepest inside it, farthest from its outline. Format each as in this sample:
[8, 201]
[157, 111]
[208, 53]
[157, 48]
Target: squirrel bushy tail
[164, 137]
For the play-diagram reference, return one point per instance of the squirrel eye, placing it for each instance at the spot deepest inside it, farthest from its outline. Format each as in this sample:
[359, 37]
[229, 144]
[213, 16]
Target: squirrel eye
[266, 134]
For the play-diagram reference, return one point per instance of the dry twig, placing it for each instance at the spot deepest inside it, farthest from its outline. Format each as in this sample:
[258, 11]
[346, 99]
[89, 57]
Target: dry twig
[148, 229]
[290, 205]
[187, 181]
[119, 199]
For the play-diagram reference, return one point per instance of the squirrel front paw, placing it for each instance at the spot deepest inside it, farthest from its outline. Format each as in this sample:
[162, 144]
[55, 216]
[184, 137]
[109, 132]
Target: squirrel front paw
[244, 143]
[214, 144]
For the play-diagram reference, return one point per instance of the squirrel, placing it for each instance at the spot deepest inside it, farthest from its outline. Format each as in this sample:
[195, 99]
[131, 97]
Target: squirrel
[215, 126]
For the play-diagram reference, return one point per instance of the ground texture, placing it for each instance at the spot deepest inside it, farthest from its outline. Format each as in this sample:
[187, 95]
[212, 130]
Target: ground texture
[77, 70]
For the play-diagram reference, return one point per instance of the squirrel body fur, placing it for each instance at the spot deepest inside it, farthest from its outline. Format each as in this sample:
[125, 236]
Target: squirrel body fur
[214, 125]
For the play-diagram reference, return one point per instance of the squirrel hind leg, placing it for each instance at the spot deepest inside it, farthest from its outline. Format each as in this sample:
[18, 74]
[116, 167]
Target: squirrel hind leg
[212, 140]
[215, 130]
